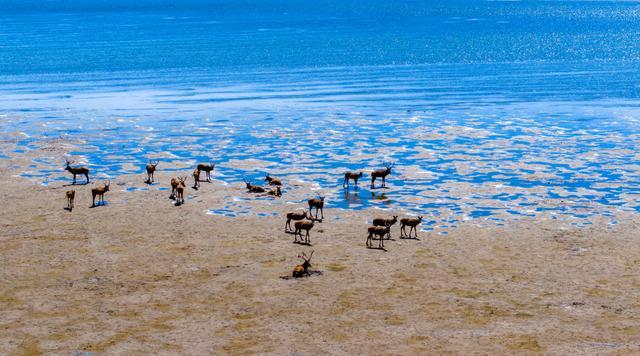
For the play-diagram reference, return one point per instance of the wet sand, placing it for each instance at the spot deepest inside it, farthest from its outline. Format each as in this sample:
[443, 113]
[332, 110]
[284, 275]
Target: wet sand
[141, 276]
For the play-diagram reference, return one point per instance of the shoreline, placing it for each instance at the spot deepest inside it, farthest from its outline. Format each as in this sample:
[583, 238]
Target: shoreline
[140, 275]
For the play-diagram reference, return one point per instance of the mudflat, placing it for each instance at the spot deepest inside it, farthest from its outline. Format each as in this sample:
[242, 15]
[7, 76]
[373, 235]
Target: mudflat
[141, 275]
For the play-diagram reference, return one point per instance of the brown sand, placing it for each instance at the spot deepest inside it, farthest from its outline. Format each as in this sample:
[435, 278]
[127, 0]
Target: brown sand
[142, 276]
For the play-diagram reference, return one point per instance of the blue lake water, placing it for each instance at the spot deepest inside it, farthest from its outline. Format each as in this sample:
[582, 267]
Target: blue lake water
[491, 110]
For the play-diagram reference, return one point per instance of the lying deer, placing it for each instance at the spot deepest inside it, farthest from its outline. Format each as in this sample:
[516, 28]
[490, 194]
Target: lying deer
[99, 192]
[207, 168]
[180, 191]
[272, 180]
[385, 222]
[196, 179]
[151, 169]
[303, 269]
[175, 182]
[382, 173]
[275, 192]
[379, 231]
[317, 203]
[77, 170]
[71, 196]
[302, 225]
[297, 216]
[351, 176]
[412, 223]
[254, 188]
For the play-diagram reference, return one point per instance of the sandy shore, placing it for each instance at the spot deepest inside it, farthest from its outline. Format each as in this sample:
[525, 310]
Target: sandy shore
[141, 276]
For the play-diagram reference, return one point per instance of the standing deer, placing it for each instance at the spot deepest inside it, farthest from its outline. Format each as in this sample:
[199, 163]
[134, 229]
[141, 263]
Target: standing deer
[99, 192]
[272, 181]
[77, 170]
[351, 176]
[71, 196]
[180, 191]
[317, 203]
[302, 270]
[151, 169]
[196, 179]
[254, 188]
[386, 222]
[412, 223]
[379, 231]
[302, 225]
[297, 216]
[175, 182]
[207, 168]
[382, 173]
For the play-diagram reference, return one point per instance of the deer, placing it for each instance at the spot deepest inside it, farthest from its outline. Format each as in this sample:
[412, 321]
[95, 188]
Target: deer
[302, 225]
[175, 182]
[196, 179]
[303, 269]
[207, 168]
[317, 203]
[254, 188]
[379, 231]
[71, 196]
[151, 169]
[386, 222]
[180, 191]
[99, 192]
[412, 223]
[272, 181]
[77, 170]
[275, 192]
[351, 176]
[296, 216]
[382, 173]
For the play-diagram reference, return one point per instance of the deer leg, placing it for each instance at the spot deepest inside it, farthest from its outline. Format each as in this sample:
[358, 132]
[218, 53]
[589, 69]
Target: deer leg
[322, 212]
[87, 176]
[384, 183]
[373, 180]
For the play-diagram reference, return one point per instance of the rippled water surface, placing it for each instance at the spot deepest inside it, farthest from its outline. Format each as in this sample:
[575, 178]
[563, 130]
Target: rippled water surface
[490, 110]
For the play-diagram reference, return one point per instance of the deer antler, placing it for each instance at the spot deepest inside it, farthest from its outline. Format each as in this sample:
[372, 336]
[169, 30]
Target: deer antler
[311, 255]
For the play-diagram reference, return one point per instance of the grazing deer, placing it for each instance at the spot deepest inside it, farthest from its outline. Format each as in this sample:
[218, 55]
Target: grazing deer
[77, 170]
[317, 203]
[302, 270]
[272, 181]
[254, 188]
[297, 216]
[351, 176]
[99, 192]
[196, 179]
[151, 169]
[382, 173]
[379, 231]
[386, 222]
[180, 191]
[207, 168]
[302, 225]
[412, 223]
[175, 182]
[71, 196]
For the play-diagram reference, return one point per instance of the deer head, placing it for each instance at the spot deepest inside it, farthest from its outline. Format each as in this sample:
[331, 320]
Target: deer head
[389, 166]
[106, 186]
[307, 260]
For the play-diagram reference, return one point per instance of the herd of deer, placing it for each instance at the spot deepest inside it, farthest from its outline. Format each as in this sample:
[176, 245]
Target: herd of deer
[303, 220]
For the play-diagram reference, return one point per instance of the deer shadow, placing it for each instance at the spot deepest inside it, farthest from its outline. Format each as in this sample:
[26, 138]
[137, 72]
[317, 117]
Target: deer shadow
[309, 274]
[377, 248]
[98, 204]
[74, 184]
[303, 243]
[68, 209]
[410, 238]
